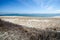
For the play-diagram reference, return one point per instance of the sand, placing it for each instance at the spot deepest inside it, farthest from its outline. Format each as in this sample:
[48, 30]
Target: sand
[29, 28]
[33, 22]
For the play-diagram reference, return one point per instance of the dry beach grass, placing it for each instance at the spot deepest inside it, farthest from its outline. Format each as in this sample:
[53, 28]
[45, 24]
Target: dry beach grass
[29, 28]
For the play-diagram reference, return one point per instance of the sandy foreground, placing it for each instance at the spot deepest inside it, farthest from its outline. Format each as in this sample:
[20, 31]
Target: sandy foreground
[29, 28]
[33, 22]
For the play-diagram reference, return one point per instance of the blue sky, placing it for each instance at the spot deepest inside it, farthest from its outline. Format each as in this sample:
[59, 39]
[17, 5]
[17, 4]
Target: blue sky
[30, 6]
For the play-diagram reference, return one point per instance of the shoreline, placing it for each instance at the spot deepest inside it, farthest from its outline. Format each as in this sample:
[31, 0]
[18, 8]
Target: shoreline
[31, 16]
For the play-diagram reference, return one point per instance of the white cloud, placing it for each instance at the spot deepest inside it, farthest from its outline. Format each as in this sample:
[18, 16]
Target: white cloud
[58, 10]
[47, 8]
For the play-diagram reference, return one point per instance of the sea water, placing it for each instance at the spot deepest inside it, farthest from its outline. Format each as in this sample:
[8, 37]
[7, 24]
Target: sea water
[30, 15]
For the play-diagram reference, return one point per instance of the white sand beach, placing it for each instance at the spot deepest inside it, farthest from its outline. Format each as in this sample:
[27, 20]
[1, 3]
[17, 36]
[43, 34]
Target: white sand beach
[29, 28]
[33, 22]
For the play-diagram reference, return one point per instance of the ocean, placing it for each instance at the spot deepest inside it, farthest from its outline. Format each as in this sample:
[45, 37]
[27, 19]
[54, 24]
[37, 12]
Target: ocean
[31, 15]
